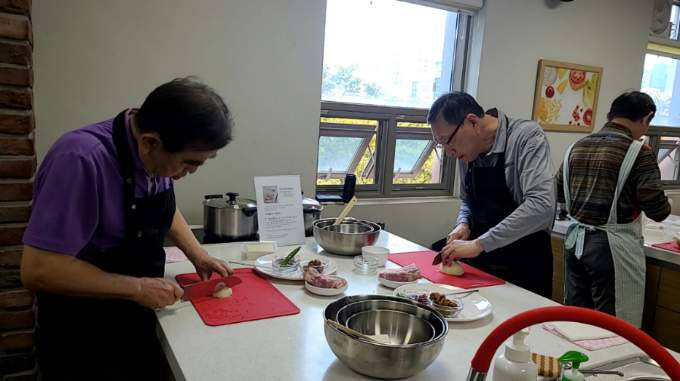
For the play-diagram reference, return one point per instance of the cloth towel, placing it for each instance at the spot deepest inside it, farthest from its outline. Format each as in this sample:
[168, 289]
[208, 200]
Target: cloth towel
[591, 344]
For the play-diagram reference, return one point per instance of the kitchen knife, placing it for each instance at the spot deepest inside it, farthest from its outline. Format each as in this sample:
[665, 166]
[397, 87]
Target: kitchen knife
[208, 287]
[437, 259]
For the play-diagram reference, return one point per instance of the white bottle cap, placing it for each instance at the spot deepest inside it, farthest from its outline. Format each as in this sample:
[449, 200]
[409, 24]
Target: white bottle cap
[516, 350]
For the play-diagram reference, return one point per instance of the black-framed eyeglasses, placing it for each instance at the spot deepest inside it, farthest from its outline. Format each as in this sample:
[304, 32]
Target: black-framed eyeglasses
[448, 140]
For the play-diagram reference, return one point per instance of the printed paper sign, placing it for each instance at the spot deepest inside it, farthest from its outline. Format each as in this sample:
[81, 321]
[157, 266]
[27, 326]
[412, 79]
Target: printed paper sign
[279, 209]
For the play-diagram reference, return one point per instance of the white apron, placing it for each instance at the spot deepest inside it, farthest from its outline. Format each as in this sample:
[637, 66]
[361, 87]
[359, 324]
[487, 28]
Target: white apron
[625, 242]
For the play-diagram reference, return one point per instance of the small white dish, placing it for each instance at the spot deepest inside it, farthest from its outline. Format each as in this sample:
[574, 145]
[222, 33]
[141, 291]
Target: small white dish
[327, 291]
[263, 265]
[475, 306]
[394, 284]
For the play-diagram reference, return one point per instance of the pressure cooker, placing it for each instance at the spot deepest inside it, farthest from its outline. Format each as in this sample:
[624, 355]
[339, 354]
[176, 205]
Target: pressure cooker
[231, 218]
[235, 218]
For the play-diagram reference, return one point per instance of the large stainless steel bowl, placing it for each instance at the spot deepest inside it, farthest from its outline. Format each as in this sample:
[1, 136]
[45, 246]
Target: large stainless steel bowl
[384, 360]
[348, 238]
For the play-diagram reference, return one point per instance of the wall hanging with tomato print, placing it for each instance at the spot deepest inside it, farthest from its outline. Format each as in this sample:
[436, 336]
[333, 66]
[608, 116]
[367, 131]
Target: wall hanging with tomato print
[566, 96]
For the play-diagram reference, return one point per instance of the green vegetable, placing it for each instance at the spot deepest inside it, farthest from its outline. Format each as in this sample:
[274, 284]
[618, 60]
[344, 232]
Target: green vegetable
[289, 257]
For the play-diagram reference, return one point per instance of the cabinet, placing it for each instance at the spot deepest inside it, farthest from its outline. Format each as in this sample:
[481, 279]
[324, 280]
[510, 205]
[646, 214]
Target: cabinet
[661, 314]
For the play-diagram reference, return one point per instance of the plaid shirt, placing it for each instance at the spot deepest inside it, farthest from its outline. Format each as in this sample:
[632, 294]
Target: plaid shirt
[594, 166]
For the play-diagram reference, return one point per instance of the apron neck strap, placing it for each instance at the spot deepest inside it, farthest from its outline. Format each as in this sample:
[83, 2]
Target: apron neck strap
[626, 166]
[565, 177]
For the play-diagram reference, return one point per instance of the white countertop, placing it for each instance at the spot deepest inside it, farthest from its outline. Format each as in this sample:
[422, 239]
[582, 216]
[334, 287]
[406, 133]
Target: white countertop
[294, 347]
[663, 232]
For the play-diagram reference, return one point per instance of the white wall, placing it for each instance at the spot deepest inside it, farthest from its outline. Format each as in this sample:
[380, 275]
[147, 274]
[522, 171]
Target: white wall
[96, 57]
[607, 33]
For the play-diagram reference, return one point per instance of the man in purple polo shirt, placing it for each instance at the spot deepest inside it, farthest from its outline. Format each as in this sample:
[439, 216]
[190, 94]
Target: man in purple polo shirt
[103, 204]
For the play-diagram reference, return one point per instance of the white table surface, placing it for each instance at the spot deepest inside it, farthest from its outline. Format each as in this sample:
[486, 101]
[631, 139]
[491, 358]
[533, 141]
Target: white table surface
[294, 347]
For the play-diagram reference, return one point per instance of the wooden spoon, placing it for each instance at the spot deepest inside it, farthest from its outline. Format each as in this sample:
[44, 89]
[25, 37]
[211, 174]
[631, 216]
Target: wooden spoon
[345, 211]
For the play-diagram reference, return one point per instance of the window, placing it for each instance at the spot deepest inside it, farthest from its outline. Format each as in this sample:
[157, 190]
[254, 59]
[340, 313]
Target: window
[661, 80]
[385, 62]
[665, 144]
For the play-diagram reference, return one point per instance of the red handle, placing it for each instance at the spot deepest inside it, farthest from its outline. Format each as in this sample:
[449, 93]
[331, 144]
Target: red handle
[482, 359]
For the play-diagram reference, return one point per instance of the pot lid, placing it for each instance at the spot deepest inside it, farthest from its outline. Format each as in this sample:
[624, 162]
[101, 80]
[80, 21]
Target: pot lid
[232, 201]
[309, 204]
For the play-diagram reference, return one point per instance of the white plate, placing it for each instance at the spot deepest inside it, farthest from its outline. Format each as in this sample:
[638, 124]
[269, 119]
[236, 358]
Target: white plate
[475, 306]
[327, 291]
[263, 265]
[394, 284]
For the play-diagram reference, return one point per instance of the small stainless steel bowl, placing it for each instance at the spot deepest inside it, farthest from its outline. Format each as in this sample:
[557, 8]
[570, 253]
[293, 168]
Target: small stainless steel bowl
[397, 327]
[351, 228]
[348, 237]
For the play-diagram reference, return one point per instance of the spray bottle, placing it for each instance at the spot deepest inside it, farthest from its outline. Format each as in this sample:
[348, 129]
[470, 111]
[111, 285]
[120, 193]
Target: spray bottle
[571, 361]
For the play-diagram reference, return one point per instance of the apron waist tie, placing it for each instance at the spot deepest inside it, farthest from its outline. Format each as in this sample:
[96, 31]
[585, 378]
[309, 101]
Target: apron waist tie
[576, 236]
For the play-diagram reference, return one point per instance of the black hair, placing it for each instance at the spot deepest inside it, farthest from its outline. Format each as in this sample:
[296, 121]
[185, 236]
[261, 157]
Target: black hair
[187, 115]
[453, 107]
[633, 105]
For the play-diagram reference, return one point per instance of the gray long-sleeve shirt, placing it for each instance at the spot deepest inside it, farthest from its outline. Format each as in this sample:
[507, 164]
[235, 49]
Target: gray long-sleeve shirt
[529, 174]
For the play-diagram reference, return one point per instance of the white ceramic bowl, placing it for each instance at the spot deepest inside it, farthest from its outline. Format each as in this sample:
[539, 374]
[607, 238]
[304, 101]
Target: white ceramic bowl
[327, 291]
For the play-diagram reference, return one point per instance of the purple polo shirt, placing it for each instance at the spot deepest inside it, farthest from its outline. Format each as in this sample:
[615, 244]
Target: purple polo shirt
[78, 192]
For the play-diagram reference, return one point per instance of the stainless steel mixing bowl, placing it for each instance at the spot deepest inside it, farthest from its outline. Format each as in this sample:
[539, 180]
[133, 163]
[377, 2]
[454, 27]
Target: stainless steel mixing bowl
[385, 360]
[392, 327]
[348, 237]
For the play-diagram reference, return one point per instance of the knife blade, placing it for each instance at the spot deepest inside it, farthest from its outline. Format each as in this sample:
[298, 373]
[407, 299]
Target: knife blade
[208, 287]
[437, 259]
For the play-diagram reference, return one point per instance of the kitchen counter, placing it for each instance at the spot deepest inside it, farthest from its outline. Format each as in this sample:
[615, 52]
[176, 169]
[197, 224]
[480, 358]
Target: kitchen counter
[294, 347]
[660, 255]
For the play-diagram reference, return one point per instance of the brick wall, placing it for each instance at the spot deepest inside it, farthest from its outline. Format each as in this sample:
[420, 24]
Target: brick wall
[17, 167]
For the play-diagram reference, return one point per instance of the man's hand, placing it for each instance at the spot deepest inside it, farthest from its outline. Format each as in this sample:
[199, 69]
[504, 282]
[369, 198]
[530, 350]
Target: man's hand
[205, 265]
[157, 293]
[461, 232]
[460, 249]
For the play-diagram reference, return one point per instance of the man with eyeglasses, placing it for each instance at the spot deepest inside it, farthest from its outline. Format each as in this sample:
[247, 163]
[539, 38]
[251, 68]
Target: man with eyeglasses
[507, 191]
[607, 179]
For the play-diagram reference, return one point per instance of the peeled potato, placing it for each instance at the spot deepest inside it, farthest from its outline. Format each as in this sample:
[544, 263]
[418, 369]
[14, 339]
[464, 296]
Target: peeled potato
[453, 269]
[223, 293]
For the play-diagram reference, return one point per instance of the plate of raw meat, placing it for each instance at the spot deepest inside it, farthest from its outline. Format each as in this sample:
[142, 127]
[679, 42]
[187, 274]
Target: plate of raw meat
[323, 284]
[393, 278]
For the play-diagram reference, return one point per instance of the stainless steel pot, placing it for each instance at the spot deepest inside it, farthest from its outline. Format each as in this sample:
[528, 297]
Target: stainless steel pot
[231, 218]
[348, 237]
[311, 211]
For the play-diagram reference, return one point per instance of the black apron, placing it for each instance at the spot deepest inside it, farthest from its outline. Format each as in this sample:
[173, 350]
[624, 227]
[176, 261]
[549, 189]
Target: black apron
[526, 262]
[110, 339]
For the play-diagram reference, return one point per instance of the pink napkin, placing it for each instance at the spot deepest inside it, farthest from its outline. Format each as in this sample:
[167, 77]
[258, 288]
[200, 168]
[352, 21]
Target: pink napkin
[174, 254]
[591, 345]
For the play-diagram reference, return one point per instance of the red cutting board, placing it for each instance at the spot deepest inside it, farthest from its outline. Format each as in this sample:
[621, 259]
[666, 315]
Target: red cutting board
[670, 246]
[473, 278]
[253, 299]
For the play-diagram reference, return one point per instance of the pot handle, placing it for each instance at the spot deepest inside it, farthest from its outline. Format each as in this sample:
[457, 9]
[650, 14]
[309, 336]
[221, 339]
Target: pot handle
[232, 197]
